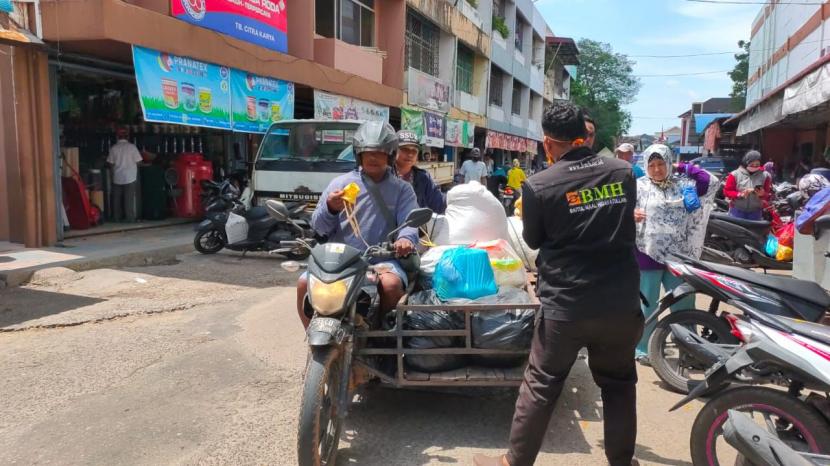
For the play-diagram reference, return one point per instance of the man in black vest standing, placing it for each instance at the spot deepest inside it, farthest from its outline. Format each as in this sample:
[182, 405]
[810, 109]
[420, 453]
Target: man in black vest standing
[579, 213]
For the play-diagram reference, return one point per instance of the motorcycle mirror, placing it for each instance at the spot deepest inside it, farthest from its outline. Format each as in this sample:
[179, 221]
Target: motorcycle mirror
[416, 218]
[290, 266]
[277, 210]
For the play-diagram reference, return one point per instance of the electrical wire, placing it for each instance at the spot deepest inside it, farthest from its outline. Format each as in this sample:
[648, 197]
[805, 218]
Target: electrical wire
[679, 74]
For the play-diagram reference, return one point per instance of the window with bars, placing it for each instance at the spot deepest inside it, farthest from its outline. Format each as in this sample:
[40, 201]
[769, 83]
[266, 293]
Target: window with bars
[517, 98]
[496, 87]
[422, 40]
[464, 69]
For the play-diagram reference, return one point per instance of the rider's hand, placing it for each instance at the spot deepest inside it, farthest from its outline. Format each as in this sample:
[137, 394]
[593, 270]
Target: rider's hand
[639, 215]
[335, 202]
[404, 247]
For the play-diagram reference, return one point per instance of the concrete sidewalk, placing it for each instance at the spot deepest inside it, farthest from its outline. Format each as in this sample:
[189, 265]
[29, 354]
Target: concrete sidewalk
[132, 248]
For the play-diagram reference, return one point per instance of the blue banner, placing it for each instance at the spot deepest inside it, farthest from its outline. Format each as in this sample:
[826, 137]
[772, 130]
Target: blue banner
[174, 89]
[258, 101]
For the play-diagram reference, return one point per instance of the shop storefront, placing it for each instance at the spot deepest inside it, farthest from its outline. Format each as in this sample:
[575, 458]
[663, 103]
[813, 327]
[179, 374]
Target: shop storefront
[190, 120]
[506, 147]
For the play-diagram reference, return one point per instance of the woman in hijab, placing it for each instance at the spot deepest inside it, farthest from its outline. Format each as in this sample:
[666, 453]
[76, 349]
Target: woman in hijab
[665, 226]
[748, 188]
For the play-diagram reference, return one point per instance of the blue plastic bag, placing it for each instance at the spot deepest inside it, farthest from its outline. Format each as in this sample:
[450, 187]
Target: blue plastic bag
[771, 248]
[464, 273]
[690, 199]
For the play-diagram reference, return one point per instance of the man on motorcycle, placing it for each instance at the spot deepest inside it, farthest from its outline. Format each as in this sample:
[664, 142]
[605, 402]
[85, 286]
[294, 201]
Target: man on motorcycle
[382, 204]
[406, 167]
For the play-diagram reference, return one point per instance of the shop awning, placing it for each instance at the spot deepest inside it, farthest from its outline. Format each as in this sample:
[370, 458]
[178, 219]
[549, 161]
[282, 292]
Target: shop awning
[808, 92]
[767, 113]
[702, 120]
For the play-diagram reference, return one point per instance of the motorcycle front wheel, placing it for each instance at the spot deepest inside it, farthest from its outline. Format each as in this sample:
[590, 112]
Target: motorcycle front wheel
[673, 365]
[319, 425]
[209, 241]
[796, 423]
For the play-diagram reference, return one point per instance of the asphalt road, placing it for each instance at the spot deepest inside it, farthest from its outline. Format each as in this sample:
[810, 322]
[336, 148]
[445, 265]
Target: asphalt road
[200, 362]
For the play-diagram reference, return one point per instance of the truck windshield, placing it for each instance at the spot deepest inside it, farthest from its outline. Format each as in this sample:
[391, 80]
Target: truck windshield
[310, 142]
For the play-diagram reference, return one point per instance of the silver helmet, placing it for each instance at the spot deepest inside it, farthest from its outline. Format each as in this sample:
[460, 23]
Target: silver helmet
[375, 135]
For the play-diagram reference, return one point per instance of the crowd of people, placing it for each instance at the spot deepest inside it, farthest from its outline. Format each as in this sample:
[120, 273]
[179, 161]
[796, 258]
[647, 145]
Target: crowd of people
[604, 228]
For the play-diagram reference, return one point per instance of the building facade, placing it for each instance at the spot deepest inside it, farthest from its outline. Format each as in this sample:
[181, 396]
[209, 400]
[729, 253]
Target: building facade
[786, 106]
[441, 61]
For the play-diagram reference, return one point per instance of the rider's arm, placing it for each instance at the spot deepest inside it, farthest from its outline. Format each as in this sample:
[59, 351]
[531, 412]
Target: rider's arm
[407, 202]
[433, 197]
[322, 220]
[533, 232]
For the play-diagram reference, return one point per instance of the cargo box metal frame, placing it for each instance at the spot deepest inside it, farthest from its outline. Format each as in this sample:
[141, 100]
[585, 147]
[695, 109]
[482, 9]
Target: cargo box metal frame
[470, 376]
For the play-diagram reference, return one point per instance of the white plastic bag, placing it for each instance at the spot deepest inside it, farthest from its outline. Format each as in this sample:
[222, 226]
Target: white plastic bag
[473, 214]
[430, 258]
[236, 228]
[528, 256]
[508, 267]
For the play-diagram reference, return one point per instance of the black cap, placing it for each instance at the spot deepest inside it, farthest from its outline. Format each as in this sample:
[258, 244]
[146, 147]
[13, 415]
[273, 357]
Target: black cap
[408, 138]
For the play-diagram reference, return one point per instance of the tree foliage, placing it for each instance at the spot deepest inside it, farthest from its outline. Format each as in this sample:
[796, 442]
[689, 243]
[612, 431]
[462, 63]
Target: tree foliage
[739, 76]
[604, 84]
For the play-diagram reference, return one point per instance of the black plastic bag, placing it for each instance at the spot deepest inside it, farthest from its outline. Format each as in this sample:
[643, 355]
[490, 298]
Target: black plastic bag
[510, 330]
[433, 320]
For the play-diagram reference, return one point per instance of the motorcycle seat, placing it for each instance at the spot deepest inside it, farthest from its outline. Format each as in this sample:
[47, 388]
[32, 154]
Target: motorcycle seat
[750, 224]
[809, 330]
[255, 213]
[804, 289]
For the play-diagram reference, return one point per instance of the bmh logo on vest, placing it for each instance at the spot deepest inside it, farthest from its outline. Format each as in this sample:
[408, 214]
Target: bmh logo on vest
[596, 197]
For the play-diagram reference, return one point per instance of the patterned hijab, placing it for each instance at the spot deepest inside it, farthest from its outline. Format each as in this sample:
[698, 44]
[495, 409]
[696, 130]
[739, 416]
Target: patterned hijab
[664, 153]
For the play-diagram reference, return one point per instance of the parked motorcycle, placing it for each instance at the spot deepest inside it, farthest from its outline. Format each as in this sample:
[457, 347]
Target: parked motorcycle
[735, 241]
[228, 224]
[342, 292]
[508, 198]
[788, 353]
[757, 446]
[772, 294]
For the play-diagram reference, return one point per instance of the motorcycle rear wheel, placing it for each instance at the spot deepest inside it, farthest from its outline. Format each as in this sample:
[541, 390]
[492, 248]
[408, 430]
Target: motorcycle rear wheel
[677, 375]
[319, 426]
[795, 422]
[209, 241]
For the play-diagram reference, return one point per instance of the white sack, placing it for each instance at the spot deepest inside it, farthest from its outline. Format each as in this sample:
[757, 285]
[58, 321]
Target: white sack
[473, 214]
[516, 227]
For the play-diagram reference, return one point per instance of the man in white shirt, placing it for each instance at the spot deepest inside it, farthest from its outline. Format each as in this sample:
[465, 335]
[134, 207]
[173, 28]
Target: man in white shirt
[474, 169]
[124, 158]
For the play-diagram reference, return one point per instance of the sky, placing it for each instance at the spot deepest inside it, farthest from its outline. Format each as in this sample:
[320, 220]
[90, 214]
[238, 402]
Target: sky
[661, 27]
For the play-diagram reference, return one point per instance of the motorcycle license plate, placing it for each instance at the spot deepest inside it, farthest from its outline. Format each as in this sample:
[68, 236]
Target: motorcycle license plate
[325, 325]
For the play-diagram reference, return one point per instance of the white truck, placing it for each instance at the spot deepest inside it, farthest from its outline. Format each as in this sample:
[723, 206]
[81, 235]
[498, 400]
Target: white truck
[298, 158]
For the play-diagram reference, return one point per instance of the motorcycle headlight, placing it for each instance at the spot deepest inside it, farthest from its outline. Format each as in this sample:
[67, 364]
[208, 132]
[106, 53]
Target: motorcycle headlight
[328, 298]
